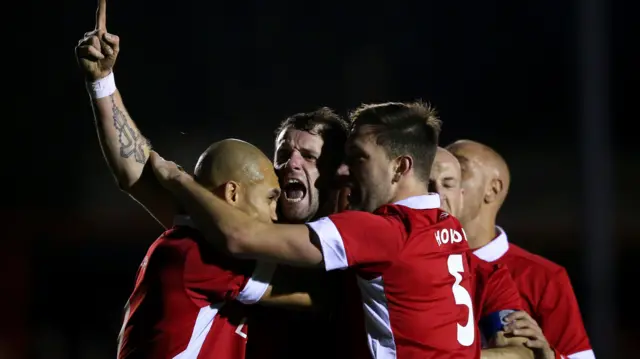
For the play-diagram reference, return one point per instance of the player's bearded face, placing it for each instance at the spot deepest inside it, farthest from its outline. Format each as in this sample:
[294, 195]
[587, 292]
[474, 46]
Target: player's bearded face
[296, 156]
[370, 172]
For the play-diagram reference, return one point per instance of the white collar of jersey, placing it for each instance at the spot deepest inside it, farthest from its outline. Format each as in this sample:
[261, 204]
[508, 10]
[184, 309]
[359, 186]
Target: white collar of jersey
[495, 249]
[182, 220]
[427, 201]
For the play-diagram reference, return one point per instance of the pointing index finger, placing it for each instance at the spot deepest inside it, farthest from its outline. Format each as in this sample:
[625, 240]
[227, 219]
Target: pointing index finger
[101, 15]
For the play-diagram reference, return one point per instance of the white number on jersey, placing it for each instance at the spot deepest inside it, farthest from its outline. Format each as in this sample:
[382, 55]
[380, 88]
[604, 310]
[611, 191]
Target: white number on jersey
[466, 333]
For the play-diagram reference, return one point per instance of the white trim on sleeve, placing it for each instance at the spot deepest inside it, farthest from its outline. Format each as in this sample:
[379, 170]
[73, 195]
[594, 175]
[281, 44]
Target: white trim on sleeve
[333, 251]
[257, 284]
[585, 354]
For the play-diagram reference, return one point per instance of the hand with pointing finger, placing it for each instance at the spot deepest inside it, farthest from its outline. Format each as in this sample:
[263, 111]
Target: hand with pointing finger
[98, 50]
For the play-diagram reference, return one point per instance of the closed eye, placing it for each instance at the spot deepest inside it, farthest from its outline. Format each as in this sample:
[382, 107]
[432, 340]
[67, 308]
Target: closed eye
[274, 194]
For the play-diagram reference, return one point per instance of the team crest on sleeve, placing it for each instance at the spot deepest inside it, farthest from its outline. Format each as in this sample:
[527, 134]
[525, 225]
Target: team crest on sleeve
[443, 215]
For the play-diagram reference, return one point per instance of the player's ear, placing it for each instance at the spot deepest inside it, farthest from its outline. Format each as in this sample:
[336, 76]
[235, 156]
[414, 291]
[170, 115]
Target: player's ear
[495, 187]
[232, 193]
[402, 165]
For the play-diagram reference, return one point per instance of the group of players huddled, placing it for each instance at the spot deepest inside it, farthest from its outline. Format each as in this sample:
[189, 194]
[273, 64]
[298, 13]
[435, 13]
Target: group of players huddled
[363, 239]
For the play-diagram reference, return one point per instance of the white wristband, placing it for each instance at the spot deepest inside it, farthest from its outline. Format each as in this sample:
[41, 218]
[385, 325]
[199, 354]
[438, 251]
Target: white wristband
[104, 87]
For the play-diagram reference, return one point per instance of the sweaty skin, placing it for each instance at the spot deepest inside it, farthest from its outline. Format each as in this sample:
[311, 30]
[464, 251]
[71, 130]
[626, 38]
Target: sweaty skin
[241, 174]
[219, 164]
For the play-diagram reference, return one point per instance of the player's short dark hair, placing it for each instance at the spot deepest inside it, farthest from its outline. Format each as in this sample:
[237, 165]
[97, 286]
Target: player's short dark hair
[409, 128]
[325, 123]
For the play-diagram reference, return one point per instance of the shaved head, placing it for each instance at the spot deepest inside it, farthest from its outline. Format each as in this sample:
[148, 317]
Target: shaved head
[485, 177]
[445, 179]
[241, 174]
[231, 160]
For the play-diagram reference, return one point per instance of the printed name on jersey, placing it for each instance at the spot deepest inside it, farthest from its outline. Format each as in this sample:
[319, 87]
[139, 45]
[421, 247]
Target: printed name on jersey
[449, 235]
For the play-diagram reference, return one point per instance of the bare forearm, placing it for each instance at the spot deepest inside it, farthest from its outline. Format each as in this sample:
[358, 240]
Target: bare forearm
[123, 146]
[510, 352]
[298, 288]
[241, 235]
[127, 152]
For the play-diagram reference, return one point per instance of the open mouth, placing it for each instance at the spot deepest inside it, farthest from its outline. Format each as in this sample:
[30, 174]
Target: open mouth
[294, 190]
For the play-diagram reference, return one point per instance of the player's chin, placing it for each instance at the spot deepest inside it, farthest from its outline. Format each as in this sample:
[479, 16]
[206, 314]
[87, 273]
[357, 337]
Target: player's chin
[294, 212]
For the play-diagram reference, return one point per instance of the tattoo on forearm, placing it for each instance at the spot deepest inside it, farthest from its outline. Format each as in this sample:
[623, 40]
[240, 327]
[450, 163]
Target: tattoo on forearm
[132, 143]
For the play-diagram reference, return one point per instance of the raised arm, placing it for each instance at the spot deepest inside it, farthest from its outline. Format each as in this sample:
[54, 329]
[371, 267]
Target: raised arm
[124, 147]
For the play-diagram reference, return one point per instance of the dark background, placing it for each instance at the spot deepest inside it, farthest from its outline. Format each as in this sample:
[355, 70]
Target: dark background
[506, 73]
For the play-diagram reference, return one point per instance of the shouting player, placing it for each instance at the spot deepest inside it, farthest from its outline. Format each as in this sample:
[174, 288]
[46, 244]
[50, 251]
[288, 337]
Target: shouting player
[188, 299]
[544, 286]
[409, 258]
[309, 148]
[307, 144]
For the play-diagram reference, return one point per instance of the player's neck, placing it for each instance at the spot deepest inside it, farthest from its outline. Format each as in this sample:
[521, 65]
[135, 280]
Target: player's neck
[480, 230]
[410, 190]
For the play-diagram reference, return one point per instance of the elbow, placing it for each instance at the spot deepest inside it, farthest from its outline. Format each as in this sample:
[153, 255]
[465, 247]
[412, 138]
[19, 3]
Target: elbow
[124, 186]
[125, 182]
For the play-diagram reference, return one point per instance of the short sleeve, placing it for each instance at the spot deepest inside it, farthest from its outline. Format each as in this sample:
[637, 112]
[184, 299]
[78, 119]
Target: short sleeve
[211, 277]
[502, 299]
[560, 318]
[258, 284]
[358, 239]
[502, 292]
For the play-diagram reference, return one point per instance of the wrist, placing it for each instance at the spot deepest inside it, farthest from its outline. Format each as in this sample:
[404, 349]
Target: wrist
[103, 87]
[181, 180]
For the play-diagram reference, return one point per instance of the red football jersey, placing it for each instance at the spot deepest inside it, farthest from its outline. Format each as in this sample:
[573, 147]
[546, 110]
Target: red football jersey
[188, 301]
[495, 296]
[410, 261]
[547, 295]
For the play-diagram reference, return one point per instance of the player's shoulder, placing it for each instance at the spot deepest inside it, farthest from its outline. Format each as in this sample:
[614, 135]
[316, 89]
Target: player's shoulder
[536, 262]
[429, 216]
[180, 232]
[180, 238]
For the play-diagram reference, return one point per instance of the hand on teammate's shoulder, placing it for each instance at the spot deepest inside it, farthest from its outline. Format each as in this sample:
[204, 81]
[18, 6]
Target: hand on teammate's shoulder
[166, 171]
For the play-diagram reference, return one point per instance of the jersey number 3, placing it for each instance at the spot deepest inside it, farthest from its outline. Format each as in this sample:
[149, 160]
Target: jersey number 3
[466, 333]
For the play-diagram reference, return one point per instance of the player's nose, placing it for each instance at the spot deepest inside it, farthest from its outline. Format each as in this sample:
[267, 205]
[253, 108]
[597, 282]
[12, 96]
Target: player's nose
[295, 161]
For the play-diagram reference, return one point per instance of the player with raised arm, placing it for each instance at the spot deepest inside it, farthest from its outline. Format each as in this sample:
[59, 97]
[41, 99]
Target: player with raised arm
[124, 147]
[306, 144]
[189, 300]
[496, 294]
[553, 323]
[409, 258]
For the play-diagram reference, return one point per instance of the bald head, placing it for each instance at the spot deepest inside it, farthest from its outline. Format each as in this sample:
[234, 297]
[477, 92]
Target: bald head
[240, 173]
[231, 160]
[485, 175]
[445, 180]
